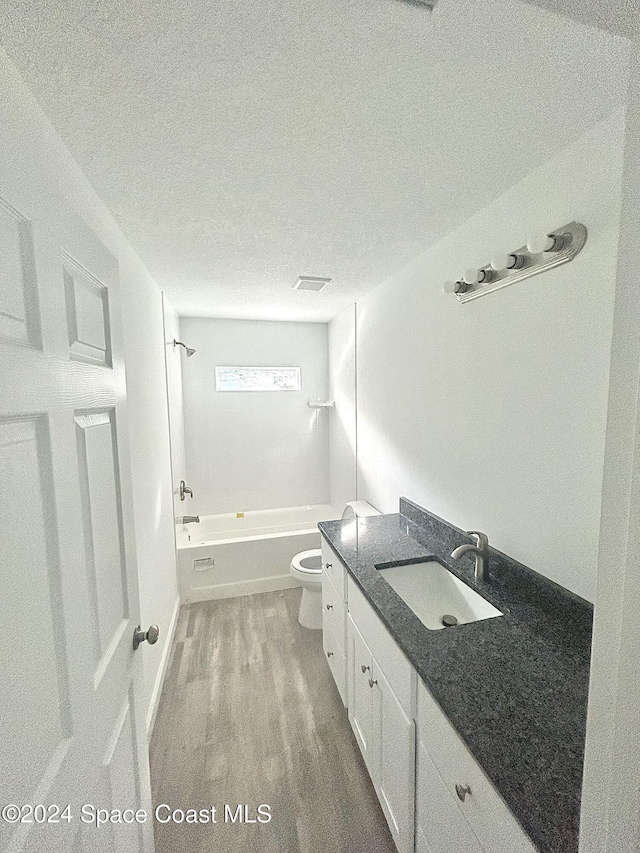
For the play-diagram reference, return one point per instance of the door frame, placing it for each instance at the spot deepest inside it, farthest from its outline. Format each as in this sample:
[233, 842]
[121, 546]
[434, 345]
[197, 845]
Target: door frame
[610, 818]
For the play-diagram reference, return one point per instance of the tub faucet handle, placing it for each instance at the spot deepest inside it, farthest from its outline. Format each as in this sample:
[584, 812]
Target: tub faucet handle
[185, 490]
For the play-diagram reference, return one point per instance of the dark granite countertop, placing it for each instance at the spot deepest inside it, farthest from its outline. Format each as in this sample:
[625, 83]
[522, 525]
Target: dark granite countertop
[515, 688]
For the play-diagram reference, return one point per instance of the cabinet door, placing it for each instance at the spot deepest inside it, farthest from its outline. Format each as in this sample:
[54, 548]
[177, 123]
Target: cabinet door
[360, 696]
[440, 826]
[395, 736]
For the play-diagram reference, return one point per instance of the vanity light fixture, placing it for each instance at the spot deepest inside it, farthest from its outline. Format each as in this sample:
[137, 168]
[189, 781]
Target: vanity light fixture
[541, 253]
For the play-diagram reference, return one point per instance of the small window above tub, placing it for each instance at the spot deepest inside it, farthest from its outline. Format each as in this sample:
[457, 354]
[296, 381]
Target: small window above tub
[258, 379]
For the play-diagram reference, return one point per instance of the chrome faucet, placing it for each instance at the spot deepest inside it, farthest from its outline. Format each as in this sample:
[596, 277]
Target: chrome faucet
[481, 552]
[188, 519]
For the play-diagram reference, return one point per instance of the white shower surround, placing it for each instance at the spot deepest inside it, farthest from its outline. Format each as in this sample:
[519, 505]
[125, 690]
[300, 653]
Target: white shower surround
[251, 553]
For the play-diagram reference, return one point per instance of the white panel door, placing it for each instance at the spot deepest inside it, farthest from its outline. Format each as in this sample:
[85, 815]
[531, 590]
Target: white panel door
[71, 727]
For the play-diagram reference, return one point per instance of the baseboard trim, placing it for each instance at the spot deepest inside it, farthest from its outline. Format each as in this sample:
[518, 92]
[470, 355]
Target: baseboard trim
[238, 588]
[162, 670]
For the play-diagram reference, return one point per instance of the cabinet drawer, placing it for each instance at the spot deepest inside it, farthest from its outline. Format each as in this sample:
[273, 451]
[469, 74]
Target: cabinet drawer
[488, 815]
[333, 611]
[332, 565]
[391, 660]
[336, 660]
[439, 823]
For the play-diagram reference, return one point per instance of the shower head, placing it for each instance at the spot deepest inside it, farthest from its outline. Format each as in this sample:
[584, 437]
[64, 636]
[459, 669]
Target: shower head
[189, 351]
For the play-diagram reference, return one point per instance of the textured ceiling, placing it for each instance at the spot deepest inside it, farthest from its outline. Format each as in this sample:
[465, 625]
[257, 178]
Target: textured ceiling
[617, 16]
[241, 143]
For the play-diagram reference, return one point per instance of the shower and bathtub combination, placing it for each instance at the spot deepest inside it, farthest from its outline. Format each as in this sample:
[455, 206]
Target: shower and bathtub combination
[233, 554]
[255, 424]
[241, 553]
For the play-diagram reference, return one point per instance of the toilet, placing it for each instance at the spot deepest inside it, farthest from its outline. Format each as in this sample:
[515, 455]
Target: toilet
[306, 568]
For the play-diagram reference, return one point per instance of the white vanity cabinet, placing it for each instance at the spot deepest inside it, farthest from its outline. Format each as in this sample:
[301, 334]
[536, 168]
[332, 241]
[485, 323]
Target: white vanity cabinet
[381, 718]
[434, 794]
[334, 614]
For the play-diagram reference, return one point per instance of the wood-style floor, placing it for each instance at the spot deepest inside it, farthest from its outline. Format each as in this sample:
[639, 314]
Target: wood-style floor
[249, 714]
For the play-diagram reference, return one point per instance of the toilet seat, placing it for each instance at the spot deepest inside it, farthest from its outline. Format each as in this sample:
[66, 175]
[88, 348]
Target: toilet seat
[308, 562]
[306, 568]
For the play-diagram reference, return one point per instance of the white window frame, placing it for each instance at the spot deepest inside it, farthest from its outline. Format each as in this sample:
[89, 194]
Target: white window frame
[260, 369]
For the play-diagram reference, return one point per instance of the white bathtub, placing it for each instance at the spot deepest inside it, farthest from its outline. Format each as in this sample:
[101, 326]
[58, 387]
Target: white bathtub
[226, 555]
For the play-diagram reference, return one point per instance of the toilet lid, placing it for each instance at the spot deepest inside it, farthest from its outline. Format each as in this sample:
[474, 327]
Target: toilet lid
[309, 561]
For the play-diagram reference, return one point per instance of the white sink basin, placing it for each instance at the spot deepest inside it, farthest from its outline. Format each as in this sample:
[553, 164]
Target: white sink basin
[433, 592]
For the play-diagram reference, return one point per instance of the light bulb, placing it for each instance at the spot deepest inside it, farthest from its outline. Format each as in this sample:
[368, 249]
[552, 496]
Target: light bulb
[477, 276]
[454, 287]
[544, 243]
[504, 261]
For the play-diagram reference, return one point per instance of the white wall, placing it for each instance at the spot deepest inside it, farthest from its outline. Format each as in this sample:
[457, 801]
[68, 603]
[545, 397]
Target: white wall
[174, 356]
[492, 414]
[29, 137]
[255, 450]
[342, 419]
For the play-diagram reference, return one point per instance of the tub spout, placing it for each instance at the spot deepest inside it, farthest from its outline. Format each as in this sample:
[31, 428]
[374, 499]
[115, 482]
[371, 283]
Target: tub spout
[188, 519]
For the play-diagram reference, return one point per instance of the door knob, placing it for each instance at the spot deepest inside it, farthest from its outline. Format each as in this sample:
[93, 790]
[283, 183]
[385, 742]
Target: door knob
[329, 606]
[151, 636]
[364, 667]
[372, 681]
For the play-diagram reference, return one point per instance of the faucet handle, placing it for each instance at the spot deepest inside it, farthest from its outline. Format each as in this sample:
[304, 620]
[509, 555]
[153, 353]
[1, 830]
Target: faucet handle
[185, 490]
[482, 540]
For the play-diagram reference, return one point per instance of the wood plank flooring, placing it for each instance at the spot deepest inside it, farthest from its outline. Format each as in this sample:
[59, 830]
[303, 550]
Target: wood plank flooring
[249, 714]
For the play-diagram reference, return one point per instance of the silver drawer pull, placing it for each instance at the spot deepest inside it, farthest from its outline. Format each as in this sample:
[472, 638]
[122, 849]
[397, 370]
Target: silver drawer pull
[329, 606]
[329, 654]
[462, 792]
[364, 667]
[372, 681]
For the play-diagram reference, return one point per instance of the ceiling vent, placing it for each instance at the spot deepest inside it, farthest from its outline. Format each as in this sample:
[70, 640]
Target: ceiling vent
[310, 282]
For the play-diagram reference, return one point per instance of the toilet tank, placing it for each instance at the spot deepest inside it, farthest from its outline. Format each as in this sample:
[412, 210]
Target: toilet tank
[358, 509]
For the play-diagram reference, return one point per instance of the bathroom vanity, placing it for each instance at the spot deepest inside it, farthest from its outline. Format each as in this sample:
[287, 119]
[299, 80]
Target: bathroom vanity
[473, 735]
